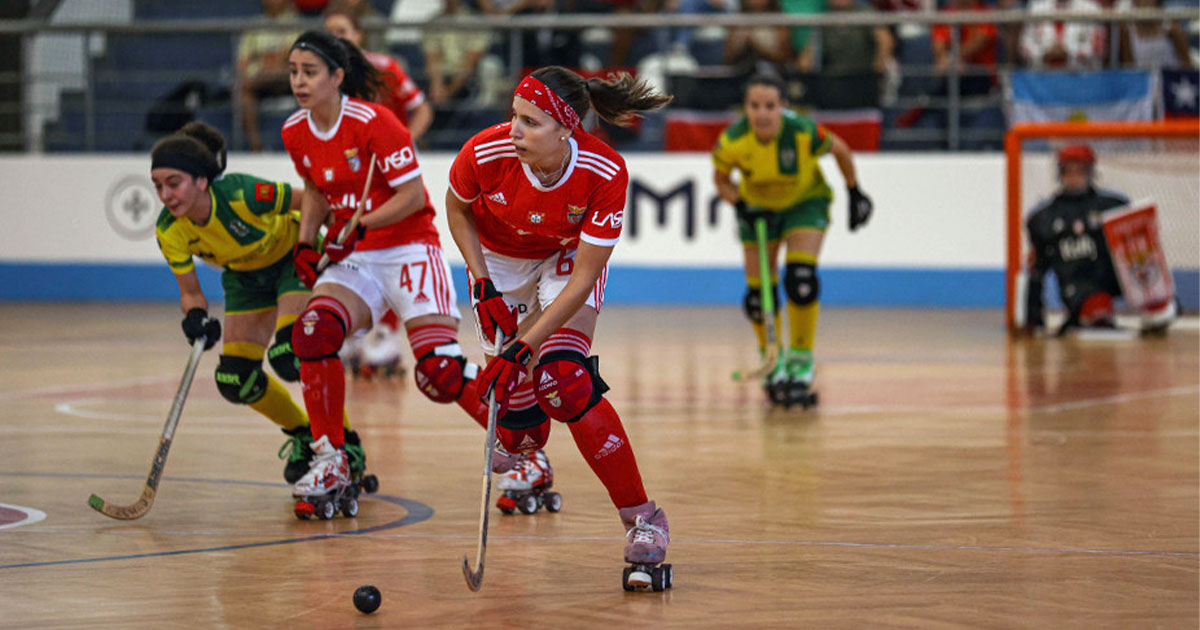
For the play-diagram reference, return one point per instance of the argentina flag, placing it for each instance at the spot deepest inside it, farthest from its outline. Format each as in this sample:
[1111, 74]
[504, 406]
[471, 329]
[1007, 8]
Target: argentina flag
[1108, 95]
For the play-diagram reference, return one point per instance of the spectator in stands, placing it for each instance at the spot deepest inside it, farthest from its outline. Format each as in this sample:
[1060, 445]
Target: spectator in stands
[541, 47]
[680, 38]
[801, 37]
[402, 96]
[452, 58]
[977, 44]
[1154, 44]
[622, 38]
[262, 67]
[1056, 44]
[846, 50]
[757, 46]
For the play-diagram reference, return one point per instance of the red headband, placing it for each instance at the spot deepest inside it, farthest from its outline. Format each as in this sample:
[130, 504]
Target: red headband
[546, 100]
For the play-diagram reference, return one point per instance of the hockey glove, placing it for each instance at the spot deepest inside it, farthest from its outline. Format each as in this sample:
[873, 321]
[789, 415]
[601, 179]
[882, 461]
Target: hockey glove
[745, 213]
[860, 208]
[305, 260]
[491, 311]
[505, 372]
[198, 324]
[336, 252]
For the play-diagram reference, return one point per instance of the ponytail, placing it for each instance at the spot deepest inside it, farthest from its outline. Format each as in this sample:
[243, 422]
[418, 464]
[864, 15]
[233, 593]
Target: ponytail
[618, 100]
[362, 79]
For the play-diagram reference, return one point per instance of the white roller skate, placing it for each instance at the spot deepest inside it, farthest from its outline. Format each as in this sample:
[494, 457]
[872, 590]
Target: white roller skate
[380, 353]
[526, 486]
[646, 537]
[326, 488]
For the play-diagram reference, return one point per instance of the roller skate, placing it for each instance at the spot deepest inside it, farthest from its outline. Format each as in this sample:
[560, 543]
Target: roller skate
[297, 453]
[358, 464]
[526, 486]
[380, 353]
[646, 538]
[775, 382]
[796, 389]
[502, 460]
[326, 488]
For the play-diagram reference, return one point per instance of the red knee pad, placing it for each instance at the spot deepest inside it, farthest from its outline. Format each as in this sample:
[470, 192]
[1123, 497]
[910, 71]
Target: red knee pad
[567, 384]
[320, 330]
[440, 373]
[527, 438]
[1097, 308]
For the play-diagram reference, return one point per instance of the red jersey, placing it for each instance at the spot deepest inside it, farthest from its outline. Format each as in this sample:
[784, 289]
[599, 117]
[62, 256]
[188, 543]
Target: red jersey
[336, 161]
[402, 95]
[518, 217]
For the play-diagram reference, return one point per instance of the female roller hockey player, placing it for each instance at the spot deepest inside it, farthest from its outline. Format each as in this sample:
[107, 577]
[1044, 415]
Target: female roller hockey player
[392, 260]
[776, 151]
[245, 225]
[536, 206]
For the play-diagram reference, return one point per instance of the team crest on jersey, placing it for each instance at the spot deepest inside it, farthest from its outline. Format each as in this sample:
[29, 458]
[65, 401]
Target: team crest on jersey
[238, 228]
[328, 174]
[264, 192]
[787, 159]
[575, 213]
[353, 160]
[536, 217]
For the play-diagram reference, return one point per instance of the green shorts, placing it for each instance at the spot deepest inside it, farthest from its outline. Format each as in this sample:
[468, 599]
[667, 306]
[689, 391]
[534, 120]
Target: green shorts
[810, 214]
[248, 291]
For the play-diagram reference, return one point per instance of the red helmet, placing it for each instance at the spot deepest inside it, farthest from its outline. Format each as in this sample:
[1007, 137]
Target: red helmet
[1077, 153]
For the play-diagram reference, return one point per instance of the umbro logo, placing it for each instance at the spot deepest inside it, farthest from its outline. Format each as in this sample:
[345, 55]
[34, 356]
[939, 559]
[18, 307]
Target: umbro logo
[498, 198]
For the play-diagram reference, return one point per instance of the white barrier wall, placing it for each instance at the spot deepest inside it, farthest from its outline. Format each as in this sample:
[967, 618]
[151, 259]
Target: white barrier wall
[932, 211]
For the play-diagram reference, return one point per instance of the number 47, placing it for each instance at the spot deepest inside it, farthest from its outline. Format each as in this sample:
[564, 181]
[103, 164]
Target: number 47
[406, 278]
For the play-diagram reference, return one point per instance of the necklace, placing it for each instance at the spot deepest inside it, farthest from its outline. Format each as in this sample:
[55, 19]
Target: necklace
[547, 178]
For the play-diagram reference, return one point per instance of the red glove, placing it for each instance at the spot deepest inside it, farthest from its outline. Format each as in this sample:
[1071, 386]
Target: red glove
[337, 252]
[491, 311]
[506, 371]
[305, 259]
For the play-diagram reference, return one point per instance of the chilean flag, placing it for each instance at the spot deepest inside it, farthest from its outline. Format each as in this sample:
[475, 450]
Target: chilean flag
[1181, 93]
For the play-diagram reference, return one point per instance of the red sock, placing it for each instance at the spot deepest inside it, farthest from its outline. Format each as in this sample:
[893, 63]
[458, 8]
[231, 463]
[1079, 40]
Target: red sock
[425, 338]
[324, 386]
[602, 441]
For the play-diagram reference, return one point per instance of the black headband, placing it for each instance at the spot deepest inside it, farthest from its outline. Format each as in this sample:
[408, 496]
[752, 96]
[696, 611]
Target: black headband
[318, 52]
[187, 163]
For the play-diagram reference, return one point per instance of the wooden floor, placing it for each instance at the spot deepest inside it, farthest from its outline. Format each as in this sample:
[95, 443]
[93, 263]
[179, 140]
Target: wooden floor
[950, 479]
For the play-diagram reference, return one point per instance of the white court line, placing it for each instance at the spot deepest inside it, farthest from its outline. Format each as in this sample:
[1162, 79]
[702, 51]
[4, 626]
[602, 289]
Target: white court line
[63, 389]
[31, 515]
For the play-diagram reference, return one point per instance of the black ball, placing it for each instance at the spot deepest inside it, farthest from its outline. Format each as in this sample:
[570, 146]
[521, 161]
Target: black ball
[367, 598]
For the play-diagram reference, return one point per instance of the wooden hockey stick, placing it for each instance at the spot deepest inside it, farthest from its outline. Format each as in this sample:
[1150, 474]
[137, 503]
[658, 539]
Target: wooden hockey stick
[142, 506]
[353, 224]
[474, 575]
[771, 356]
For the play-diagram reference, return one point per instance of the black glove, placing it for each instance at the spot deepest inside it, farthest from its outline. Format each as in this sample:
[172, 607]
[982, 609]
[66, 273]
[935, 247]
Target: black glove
[860, 208]
[198, 324]
[745, 213]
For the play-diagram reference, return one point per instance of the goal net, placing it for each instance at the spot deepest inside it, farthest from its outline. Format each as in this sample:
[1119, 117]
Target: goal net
[1158, 162]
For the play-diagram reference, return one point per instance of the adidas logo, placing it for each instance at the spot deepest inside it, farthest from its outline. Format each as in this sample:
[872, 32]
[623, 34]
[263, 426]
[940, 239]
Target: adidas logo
[498, 198]
[611, 445]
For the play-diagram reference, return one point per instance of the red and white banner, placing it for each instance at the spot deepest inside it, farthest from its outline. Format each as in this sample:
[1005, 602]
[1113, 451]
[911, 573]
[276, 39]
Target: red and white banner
[1137, 254]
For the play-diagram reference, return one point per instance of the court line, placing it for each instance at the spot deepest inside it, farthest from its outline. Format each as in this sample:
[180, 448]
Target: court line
[417, 512]
[65, 389]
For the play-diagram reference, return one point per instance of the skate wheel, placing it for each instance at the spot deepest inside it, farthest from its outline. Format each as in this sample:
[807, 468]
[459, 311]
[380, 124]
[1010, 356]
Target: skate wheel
[369, 484]
[625, 579]
[506, 504]
[658, 579]
[326, 510]
[670, 573]
[638, 576]
[303, 510]
[553, 501]
[528, 504]
[350, 508]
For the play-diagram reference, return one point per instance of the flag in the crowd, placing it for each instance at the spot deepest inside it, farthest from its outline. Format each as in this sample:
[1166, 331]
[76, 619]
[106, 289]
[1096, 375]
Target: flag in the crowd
[1109, 95]
[1181, 93]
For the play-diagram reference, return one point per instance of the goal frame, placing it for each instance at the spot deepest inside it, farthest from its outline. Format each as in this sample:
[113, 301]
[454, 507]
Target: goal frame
[1022, 132]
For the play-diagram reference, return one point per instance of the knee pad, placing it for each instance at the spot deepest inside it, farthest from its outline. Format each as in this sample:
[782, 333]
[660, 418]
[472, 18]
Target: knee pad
[753, 305]
[442, 372]
[567, 384]
[523, 430]
[318, 334]
[281, 357]
[241, 380]
[801, 283]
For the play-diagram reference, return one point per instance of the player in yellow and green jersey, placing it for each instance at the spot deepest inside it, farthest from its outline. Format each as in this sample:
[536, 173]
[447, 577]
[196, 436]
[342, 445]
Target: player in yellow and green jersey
[248, 227]
[775, 151]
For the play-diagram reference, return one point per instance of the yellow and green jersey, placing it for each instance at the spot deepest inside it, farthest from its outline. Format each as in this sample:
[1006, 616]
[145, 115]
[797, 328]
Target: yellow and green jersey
[249, 227]
[781, 173]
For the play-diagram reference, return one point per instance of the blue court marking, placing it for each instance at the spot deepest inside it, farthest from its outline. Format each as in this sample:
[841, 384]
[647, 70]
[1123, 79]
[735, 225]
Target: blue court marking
[417, 512]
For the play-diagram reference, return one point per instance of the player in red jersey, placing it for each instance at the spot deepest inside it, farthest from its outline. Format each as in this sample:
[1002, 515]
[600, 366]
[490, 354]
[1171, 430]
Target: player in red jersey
[536, 206]
[393, 260]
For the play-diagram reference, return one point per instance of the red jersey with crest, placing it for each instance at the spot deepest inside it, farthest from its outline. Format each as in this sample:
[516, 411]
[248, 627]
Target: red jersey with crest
[337, 161]
[402, 95]
[518, 217]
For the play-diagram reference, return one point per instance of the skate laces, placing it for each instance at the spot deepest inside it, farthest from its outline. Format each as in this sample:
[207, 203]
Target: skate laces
[292, 449]
[356, 455]
[643, 531]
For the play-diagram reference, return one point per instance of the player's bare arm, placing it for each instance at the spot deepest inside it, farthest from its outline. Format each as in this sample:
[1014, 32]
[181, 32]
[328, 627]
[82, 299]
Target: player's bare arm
[190, 294]
[313, 210]
[845, 159]
[725, 186]
[466, 235]
[409, 198]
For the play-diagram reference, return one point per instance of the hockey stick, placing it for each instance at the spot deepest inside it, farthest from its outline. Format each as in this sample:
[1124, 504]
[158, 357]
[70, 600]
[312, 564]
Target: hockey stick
[768, 307]
[474, 575]
[142, 506]
[353, 224]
